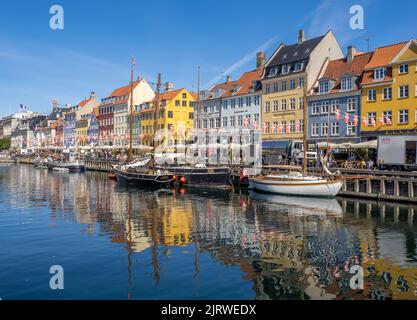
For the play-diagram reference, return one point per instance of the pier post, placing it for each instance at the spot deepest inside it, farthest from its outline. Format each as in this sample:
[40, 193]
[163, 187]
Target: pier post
[411, 189]
[368, 210]
[344, 204]
[368, 186]
[344, 186]
[396, 214]
[357, 189]
[356, 209]
[396, 188]
[410, 216]
[382, 186]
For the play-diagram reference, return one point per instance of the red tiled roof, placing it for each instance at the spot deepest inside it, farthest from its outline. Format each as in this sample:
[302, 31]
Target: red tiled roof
[244, 83]
[383, 55]
[336, 69]
[84, 102]
[124, 90]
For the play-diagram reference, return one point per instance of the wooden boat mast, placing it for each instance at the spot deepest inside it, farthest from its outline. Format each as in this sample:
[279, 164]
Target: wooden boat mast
[156, 114]
[305, 126]
[131, 111]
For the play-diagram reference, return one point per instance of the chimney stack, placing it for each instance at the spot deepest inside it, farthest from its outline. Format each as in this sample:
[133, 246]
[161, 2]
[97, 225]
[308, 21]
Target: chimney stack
[169, 86]
[228, 79]
[93, 95]
[301, 36]
[260, 59]
[351, 53]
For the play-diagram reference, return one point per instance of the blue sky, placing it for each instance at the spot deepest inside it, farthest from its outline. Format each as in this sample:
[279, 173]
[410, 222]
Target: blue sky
[173, 37]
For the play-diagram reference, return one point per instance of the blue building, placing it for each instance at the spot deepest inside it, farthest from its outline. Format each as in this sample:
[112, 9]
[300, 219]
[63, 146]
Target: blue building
[70, 121]
[93, 129]
[334, 105]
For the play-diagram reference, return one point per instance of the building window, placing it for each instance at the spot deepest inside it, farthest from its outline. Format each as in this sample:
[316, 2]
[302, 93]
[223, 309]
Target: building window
[403, 116]
[292, 104]
[284, 85]
[232, 103]
[211, 123]
[240, 121]
[380, 73]
[272, 72]
[325, 107]
[347, 84]
[324, 87]
[387, 116]
[387, 94]
[224, 104]
[240, 102]
[285, 69]
[300, 103]
[284, 126]
[371, 115]
[275, 86]
[372, 95]
[248, 101]
[283, 104]
[257, 100]
[351, 129]
[403, 92]
[275, 127]
[351, 105]
[232, 121]
[256, 118]
[324, 129]
[177, 103]
[268, 127]
[184, 103]
[191, 115]
[292, 125]
[224, 121]
[335, 105]
[301, 125]
[314, 108]
[267, 88]
[292, 84]
[275, 105]
[267, 106]
[335, 129]
[217, 122]
[403, 69]
[298, 66]
[301, 82]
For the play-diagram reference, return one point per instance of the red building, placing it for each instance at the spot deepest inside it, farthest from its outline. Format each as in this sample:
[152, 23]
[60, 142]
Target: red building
[106, 110]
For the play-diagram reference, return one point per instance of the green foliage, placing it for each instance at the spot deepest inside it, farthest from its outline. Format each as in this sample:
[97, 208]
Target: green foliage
[4, 144]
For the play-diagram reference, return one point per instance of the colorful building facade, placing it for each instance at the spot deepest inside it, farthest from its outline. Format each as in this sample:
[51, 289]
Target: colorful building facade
[389, 91]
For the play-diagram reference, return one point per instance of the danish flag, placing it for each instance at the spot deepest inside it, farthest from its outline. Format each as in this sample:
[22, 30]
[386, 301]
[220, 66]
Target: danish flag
[382, 121]
[297, 127]
[255, 125]
[373, 121]
[355, 120]
[346, 117]
[264, 127]
[337, 112]
[245, 122]
[288, 128]
[365, 122]
[280, 129]
[388, 121]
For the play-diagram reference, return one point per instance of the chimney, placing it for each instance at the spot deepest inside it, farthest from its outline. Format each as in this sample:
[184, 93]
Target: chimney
[93, 95]
[228, 79]
[301, 36]
[260, 59]
[351, 53]
[169, 86]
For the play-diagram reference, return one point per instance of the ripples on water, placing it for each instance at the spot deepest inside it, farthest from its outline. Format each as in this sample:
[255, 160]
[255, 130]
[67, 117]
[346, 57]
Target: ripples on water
[116, 242]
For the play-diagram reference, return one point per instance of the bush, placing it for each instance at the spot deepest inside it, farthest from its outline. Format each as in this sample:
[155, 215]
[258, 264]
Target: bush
[5, 144]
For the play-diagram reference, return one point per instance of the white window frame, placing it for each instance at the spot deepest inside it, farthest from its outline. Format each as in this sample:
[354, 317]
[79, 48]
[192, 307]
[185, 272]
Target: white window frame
[399, 116]
[350, 102]
[267, 106]
[346, 84]
[323, 104]
[335, 104]
[350, 129]
[292, 103]
[284, 104]
[334, 126]
[373, 96]
[315, 108]
[324, 126]
[403, 65]
[387, 89]
[380, 73]
[401, 92]
[324, 85]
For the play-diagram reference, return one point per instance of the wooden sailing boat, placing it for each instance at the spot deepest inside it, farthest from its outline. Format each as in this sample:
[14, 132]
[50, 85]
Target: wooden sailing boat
[296, 183]
[143, 172]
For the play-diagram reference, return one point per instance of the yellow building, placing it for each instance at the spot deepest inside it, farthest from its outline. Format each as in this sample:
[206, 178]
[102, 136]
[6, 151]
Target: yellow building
[175, 119]
[286, 73]
[389, 91]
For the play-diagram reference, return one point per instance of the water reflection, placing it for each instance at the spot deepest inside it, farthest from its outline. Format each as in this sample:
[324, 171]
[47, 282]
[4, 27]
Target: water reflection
[266, 246]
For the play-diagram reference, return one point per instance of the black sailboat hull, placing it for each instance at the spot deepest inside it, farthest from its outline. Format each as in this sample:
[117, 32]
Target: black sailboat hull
[144, 179]
[214, 176]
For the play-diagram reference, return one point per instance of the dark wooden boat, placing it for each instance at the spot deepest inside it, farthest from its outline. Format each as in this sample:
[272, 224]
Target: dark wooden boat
[144, 177]
[204, 176]
[70, 166]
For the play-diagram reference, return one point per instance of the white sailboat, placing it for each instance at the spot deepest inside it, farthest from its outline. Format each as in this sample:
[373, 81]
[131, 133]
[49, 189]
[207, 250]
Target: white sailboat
[296, 183]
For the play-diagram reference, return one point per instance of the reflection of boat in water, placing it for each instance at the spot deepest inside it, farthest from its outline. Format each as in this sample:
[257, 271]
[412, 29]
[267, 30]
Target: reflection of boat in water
[68, 166]
[318, 205]
[59, 169]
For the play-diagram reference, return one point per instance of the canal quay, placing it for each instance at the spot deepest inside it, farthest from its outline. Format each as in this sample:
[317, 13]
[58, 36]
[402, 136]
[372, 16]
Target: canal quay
[119, 242]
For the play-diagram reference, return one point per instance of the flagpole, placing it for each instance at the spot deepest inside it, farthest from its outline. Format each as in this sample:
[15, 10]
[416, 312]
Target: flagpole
[131, 110]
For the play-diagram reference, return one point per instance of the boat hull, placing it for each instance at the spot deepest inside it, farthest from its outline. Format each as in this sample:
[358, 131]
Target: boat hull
[71, 167]
[210, 177]
[143, 179]
[318, 188]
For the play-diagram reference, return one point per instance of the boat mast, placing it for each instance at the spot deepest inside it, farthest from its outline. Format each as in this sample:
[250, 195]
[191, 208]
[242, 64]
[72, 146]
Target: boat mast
[131, 111]
[198, 106]
[156, 115]
[305, 126]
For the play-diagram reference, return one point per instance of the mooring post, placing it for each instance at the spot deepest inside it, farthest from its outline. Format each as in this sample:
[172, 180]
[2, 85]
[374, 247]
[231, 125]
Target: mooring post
[410, 189]
[368, 186]
[396, 188]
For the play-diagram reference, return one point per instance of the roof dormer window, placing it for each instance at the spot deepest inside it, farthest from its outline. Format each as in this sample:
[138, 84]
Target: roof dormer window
[298, 66]
[380, 73]
[346, 84]
[285, 69]
[324, 86]
[273, 72]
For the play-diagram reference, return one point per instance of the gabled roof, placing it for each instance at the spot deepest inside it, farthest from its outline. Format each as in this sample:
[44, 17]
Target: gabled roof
[122, 91]
[84, 102]
[336, 69]
[403, 49]
[294, 52]
[384, 55]
[245, 83]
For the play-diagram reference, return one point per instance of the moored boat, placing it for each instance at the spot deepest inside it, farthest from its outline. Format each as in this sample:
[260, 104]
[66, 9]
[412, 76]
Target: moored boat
[76, 166]
[201, 176]
[143, 176]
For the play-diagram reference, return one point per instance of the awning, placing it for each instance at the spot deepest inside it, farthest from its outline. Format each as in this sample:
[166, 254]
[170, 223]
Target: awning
[324, 144]
[372, 144]
[275, 144]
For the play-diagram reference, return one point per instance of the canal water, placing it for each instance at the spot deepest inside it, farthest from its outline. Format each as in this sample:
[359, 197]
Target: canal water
[116, 242]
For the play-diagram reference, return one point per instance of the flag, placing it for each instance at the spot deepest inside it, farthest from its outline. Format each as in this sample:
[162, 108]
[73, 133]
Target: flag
[346, 117]
[264, 127]
[279, 129]
[337, 113]
[288, 128]
[389, 122]
[373, 122]
[133, 61]
[364, 122]
[297, 127]
[255, 125]
[245, 122]
[382, 121]
[355, 120]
